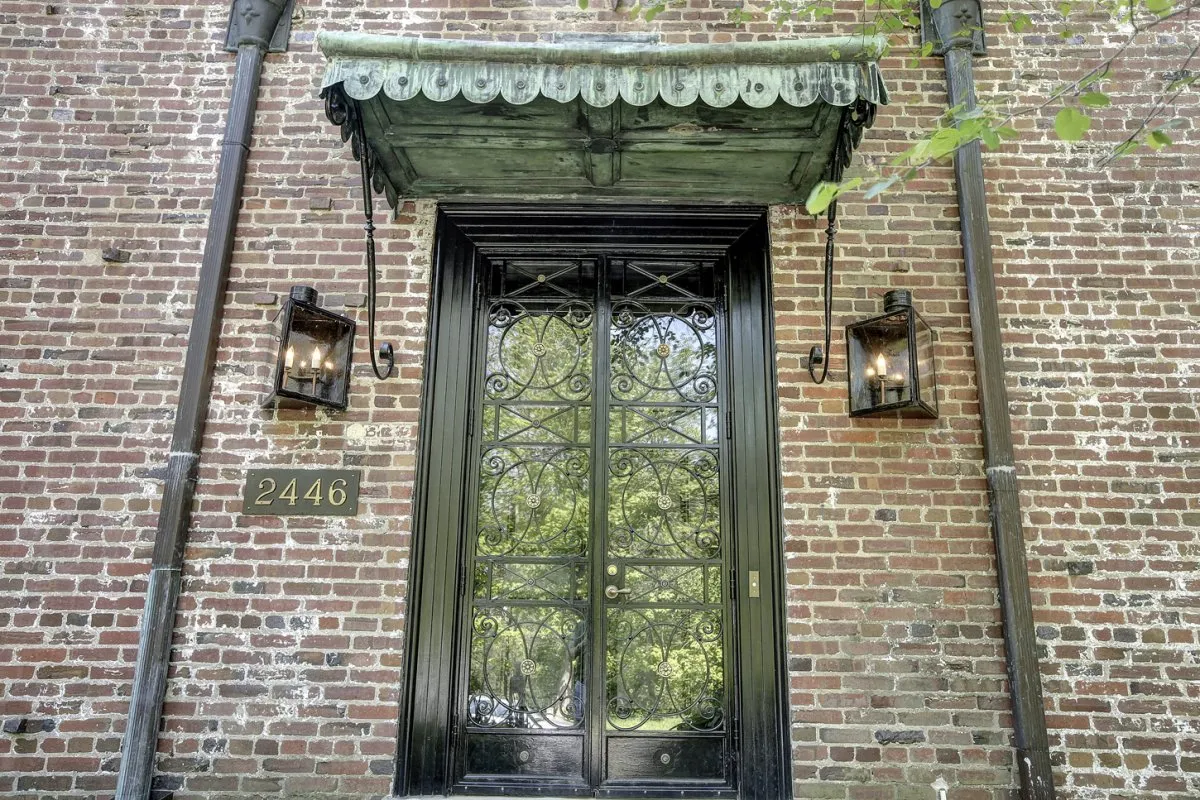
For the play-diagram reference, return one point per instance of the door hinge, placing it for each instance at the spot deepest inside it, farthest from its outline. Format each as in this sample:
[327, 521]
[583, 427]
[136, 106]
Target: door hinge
[728, 424]
[461, 582]
[455, 733]
[733, 584]
[480, 285]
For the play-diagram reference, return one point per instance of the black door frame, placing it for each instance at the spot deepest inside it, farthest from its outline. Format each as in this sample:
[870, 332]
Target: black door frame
[436, 574]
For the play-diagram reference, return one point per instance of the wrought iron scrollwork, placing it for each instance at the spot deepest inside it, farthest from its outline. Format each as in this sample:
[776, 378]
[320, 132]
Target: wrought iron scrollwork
[533, 518]
[669, 671]
[657, 539]
[346, 114]
[665, 644]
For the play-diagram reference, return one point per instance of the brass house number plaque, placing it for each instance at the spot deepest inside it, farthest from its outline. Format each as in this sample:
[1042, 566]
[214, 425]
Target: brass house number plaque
[311, 492]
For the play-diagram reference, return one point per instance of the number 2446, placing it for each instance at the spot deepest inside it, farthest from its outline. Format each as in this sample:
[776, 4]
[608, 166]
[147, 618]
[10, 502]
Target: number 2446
[335, 495]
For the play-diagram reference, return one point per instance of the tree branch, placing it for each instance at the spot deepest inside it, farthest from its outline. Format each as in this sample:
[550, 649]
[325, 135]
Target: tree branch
[1163, 101]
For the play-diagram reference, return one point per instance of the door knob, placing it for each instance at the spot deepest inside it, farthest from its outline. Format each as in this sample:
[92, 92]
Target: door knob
[611, 591]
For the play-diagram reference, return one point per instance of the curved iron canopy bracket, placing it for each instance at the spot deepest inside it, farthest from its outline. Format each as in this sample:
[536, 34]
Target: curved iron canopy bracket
[855, 119]
[348, 117]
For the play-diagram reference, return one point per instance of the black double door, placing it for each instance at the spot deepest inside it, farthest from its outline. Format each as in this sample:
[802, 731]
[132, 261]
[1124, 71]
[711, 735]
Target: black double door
[595, 637]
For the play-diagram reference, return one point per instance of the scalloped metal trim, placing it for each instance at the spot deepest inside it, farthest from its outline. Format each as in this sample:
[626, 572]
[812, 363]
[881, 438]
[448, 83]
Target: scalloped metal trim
[599, 85]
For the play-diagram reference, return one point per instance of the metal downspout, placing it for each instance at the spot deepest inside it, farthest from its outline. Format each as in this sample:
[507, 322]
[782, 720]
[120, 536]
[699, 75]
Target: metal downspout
[258, 21]
[1020, 644]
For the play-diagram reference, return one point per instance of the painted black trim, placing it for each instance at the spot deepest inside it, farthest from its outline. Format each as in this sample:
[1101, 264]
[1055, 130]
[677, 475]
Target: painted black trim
[765, 737]
[464, 233]
[423, 765]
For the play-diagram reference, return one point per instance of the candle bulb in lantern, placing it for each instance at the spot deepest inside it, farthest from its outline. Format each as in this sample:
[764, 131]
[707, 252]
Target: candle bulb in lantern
[316, 367]
[289, 359]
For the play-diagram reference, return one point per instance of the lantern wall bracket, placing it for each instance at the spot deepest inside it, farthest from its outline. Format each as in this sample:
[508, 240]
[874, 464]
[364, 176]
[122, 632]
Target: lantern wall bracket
[366, 163]
[856, 118]
[818, 355]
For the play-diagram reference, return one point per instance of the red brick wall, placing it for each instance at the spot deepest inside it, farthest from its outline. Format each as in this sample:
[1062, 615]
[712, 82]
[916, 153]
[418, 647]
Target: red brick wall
[289, 637]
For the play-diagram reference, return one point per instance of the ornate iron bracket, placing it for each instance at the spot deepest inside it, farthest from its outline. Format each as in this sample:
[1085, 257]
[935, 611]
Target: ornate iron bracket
[345, 113]
[264, 23]
[348, 117]
[955, 23]
[856, 118]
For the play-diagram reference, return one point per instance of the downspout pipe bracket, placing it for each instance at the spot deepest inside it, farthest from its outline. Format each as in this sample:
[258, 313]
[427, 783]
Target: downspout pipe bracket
[251, 23]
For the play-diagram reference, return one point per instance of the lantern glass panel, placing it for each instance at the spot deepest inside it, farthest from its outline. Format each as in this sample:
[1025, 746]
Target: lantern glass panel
[880, 369]
[927, 375]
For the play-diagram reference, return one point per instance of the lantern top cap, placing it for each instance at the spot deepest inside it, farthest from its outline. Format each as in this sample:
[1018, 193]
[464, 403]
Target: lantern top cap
[305, 294]
[897, 300]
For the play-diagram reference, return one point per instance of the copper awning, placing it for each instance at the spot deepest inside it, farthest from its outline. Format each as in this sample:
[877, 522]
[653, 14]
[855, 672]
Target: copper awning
[742, 122]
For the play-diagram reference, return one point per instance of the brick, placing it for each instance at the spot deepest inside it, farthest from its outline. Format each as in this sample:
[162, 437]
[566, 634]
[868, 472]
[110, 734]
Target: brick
[287, 660]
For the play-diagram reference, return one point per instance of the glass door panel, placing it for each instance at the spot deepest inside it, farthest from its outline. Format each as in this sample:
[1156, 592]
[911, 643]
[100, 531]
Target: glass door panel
[664, 631]
[524, 713]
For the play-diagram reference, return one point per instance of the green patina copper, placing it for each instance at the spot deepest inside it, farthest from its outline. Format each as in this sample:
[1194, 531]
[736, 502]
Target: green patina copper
[336, 44]
[746, 121]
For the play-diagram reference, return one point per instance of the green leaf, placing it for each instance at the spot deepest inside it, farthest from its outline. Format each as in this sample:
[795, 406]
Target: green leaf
[944, 142]
[583, 4]
[1095, 99]
[1160, 7]
[835, 54]
[1098, 75]
[1180, 83]
[1071, 125]
[876, 189]
[653, 12]
[1124, 149]
[990, 138]
[820, 197]
[1008, 133]
[1158, 140]
[935, 4]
